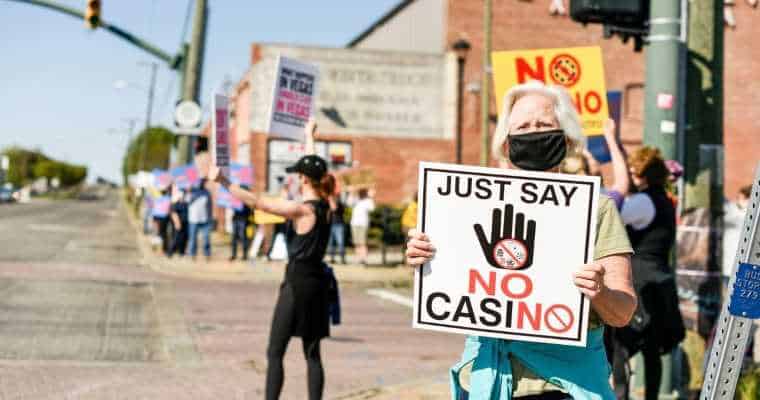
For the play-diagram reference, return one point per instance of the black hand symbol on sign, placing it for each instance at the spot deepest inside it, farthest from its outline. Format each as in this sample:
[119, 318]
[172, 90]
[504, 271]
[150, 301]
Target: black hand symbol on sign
[500, 232]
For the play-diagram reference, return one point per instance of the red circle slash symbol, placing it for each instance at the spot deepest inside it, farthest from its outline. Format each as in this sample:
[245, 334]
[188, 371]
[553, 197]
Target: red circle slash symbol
[565, 70]
[510, 254]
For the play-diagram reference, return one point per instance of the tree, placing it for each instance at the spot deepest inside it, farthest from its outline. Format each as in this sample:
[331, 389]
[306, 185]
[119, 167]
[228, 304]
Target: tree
[149, 150]
[28, 165]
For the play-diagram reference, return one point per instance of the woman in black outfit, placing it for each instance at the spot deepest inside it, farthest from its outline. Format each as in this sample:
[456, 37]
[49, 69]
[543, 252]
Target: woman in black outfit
[302, 306]
[657, 326]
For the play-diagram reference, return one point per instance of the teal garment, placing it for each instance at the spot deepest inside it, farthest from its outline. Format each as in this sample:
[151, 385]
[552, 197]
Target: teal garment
[583, 372]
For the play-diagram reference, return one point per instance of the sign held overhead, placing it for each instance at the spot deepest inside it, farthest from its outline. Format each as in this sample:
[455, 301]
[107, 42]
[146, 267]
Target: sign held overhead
[295, 89]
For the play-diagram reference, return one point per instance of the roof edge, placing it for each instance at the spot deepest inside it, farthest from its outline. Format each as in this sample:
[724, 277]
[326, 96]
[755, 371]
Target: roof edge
[380, 22]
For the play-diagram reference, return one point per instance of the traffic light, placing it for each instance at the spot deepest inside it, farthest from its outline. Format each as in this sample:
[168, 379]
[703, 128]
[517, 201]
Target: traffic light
[625, 18]
[92, 14]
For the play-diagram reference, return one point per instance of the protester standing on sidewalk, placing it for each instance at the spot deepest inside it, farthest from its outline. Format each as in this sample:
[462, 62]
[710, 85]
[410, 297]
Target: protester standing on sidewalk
[360, 222]
[179, 221]
[303, 304]
[650, 216]
[240, 222]
[199, 218]
[537, 128]
[161, 219]
[337, 229]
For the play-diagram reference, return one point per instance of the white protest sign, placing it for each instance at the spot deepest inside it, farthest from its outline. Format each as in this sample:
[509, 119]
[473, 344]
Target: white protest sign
[220, 137]
[507, 245]
[295, 89]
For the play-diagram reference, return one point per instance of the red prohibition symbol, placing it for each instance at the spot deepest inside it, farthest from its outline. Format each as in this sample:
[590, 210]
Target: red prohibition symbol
[565, 70]
[510, 254]
[559, 318]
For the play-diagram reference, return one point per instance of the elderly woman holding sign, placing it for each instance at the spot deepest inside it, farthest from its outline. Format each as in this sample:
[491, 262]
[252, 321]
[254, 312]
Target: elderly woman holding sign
[537, 129]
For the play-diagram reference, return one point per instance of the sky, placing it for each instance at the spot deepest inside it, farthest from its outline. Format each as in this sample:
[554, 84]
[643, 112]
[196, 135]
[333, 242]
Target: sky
[57, 78]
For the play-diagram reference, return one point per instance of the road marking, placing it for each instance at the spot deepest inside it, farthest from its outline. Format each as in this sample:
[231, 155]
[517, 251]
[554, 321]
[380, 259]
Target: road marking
[390, 296]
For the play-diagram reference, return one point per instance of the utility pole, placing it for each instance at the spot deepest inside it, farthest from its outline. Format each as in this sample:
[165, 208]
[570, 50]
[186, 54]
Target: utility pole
[704, 107]
[664, 100]
[485, 86]
[149, 111]
[663, 95]
[193, 69]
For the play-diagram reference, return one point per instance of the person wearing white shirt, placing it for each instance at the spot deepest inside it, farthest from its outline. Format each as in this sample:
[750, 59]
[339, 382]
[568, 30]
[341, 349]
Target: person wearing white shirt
[360, 223]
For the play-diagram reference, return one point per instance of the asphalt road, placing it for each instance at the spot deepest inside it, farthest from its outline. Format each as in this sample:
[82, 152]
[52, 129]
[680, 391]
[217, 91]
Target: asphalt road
[81, 318]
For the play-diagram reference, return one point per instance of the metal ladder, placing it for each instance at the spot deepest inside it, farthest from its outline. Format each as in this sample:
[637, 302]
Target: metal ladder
[732, 335]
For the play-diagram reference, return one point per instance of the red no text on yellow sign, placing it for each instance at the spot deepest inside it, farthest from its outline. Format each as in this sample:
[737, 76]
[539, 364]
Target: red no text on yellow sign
[580, 70]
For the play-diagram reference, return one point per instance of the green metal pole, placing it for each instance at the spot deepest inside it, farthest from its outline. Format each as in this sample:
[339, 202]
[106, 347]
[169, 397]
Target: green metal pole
[663, 97]
[485, 87]
[704, 105]
[661, 91]
[193, 70]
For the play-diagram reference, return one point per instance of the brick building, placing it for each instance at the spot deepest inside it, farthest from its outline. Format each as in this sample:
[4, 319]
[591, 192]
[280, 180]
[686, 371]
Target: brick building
[425, 29]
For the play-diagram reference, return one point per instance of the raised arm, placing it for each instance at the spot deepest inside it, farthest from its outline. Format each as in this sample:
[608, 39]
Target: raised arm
[282, 207]
[621, 182]
[310, 131]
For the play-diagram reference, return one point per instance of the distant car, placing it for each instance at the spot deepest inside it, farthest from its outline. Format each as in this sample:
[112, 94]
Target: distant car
[6, 196]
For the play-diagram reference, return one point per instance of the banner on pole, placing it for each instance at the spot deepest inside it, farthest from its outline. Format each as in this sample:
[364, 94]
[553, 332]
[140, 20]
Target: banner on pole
[220, 137]
[185, 176]
[241, 174]
[225, 199]
[579, 69]
[508, 243]
[161, 178]
[295, 89]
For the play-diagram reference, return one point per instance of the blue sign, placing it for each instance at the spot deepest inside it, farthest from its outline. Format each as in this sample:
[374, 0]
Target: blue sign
[597, 145]
[745, 299]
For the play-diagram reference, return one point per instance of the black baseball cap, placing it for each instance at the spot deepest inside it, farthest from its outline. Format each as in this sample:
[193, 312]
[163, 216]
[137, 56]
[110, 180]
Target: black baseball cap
[312, 166]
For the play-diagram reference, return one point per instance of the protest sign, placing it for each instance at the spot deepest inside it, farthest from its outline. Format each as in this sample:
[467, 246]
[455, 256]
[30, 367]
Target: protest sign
[161, 206]
[508, 243]
[579, 69]
[225, 199]
[185, 176]
[161, 178]
[220, 138]
[295, 89]
[265, 218]
[241, 174]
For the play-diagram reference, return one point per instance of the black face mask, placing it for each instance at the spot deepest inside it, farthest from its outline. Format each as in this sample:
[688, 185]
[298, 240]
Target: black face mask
[539, 151]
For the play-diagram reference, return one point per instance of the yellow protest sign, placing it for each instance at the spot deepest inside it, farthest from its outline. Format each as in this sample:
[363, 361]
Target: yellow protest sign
[579, 69]
[265, 218]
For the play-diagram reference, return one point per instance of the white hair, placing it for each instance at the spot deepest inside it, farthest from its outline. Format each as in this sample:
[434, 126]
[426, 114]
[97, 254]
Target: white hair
[564, 111]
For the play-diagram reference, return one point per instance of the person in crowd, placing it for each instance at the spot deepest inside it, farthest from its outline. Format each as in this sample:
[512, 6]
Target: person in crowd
[733, 218]
[161, 220]
[337, 229]
[361, 208]
[240, 222]
[199, 219]
[650, 219]
[280, 228]
[409, 217]
[180, 223]
[538, 127]
[586, 164]
[303, 304]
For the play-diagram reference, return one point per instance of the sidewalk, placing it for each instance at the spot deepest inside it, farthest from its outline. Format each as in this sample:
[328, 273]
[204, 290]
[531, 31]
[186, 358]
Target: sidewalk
[261, 270]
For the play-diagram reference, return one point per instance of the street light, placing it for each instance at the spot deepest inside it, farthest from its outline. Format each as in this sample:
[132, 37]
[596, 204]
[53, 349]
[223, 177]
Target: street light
[460, 47]
[121, 84]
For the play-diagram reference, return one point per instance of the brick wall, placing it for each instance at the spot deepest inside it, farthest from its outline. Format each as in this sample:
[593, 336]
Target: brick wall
[528, 25]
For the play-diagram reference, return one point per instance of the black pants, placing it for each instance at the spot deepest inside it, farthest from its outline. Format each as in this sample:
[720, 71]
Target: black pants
[239, 234]
[652, 366]
[179, 241]
[279, 336]
[163, 233]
